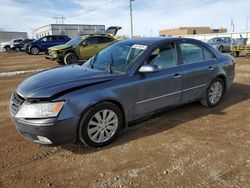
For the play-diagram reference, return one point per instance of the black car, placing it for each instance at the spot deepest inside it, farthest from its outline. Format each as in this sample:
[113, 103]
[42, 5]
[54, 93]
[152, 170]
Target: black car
[21, 46]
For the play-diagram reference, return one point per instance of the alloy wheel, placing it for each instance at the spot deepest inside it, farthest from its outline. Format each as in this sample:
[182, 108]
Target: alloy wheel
[102, 126]
[215, 92]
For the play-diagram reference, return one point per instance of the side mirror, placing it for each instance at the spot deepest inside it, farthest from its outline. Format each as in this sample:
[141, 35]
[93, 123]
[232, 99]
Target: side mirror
[84, 44]
[148, 68]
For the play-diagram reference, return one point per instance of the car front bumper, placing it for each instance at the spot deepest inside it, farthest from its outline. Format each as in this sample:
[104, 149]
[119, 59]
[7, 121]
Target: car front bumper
[50, 133]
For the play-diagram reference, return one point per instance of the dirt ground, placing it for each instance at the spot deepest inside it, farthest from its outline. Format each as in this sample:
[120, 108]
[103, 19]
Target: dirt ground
[190, 146]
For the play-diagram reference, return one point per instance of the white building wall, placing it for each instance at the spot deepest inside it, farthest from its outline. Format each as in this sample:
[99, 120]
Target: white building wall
[206, 37]
[71, 30]
[9, 35]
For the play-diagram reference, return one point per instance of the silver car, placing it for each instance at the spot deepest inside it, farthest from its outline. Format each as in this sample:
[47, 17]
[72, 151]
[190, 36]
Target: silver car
[223, 44]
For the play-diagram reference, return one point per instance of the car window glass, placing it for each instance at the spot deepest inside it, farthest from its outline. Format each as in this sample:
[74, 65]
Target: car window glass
[163, 57]
[219, 40]
[207, 54]
[91, 40]
[191, 53]
[54, 38]
[61, 38]
[44, 39]
[104, 39]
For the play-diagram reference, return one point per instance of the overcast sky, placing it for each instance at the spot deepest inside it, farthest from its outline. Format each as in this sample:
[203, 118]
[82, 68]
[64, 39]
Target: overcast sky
[22, 15]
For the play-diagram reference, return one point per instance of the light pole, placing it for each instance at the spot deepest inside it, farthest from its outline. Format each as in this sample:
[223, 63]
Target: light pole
[247, 24]
[131, 17]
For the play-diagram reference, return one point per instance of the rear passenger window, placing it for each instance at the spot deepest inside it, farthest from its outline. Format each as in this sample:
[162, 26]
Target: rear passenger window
[104, 39]
[61, 38]
[191, 53]
[208, 55]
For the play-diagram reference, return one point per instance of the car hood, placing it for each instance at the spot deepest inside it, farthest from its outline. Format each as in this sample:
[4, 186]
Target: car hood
[54, 82]
[5, 43]
[60, 47]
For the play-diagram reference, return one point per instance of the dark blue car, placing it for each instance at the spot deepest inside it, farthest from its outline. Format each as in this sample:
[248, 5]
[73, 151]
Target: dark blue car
[42, 44]
[93, 102]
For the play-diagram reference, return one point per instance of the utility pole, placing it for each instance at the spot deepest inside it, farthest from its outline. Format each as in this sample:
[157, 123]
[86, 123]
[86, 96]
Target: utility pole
[131, 17]
[247, 24]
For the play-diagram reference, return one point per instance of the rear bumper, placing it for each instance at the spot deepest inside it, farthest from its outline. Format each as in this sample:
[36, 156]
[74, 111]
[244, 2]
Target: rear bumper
[51, 134]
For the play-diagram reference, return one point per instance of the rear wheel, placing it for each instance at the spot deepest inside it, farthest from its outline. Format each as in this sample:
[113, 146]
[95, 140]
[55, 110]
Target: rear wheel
[100, 125]
[214, 93]
[220, 48]
[235, 54]
[34, 50]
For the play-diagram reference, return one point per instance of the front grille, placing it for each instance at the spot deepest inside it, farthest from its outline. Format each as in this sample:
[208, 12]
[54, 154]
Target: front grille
[16, 102]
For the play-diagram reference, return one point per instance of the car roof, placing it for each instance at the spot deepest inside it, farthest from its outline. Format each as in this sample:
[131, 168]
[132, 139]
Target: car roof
[156, 40]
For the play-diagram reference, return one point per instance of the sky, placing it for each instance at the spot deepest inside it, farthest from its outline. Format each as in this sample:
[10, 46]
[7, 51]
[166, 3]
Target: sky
[149, 15]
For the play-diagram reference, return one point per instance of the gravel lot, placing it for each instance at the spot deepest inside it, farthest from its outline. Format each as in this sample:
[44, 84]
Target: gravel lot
[190, 146]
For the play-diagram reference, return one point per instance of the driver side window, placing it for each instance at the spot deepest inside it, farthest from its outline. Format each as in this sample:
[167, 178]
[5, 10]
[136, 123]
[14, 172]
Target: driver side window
[163, 57]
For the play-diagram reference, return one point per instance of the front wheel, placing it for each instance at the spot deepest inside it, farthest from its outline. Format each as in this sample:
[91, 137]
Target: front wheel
[17, 49]
[7, 48]
[70, 58]
[34, 50]
[100, 125]
[214, 93]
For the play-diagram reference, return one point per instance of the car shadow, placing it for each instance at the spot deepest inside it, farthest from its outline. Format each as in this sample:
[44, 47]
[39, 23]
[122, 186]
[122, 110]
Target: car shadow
[154, 124]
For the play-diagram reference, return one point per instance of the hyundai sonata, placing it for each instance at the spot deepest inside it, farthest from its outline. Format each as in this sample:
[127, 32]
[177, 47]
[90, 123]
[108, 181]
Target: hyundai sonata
[93, 102]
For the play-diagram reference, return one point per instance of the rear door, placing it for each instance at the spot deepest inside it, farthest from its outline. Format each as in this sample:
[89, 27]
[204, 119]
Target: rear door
[198, 69]
[104, 41]
[88, 47]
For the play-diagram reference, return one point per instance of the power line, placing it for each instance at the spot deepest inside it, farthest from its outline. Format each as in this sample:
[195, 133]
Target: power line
[59, 19]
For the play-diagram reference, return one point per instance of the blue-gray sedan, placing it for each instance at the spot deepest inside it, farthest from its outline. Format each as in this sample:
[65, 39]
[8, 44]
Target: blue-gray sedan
[93, 102]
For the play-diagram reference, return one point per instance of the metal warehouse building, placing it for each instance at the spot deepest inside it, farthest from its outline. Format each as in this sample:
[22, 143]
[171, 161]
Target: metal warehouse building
[9, 35]
[71, 30]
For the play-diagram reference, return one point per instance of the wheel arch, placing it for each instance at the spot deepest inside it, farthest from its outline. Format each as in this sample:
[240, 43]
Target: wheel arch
[110, 100]
[223, 78]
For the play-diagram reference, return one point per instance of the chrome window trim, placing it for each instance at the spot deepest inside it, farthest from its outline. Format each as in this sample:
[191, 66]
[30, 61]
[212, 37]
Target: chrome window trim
[169, 94]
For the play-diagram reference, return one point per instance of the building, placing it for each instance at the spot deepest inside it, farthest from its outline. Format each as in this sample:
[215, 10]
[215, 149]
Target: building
[9, 35]
[190, 31]
[71, 30]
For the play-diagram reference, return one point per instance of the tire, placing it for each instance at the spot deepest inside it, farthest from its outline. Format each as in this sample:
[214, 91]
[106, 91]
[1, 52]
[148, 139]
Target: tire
[213, 98]
[70, 58]
[7, 48]
[17, 49]
[220, 49]
[34, 50]
[93, 131]
[60, 61]
[234, 54]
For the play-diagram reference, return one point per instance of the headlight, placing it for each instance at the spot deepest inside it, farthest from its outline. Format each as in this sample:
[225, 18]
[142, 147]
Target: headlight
[40, 110]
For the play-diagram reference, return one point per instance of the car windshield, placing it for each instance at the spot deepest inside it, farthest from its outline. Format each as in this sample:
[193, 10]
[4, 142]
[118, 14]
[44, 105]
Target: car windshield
[119, 57]
[75, 41]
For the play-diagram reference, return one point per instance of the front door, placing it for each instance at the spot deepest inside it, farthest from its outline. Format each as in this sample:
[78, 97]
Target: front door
[88, 48]
[162, 88]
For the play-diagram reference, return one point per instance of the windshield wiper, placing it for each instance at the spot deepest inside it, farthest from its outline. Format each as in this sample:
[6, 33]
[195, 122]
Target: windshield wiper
[110, 63]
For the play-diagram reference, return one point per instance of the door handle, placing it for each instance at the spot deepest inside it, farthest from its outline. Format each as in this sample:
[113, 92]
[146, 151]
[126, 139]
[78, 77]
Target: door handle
[210, 68]
[177, 75]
